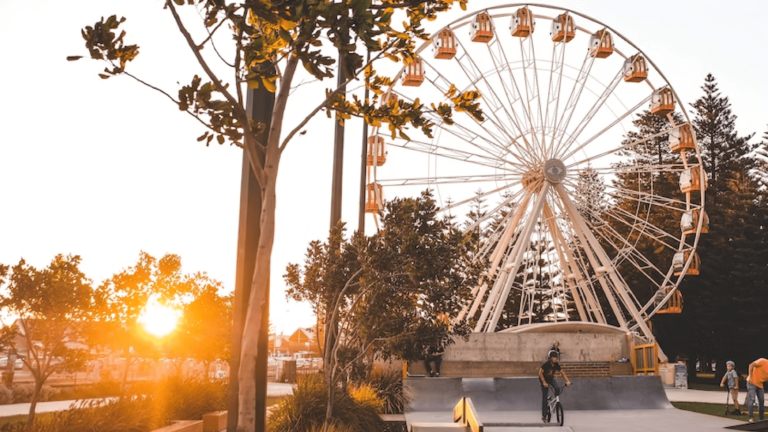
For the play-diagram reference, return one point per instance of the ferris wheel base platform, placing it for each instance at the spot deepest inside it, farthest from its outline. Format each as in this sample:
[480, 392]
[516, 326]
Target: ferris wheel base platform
[626, 403]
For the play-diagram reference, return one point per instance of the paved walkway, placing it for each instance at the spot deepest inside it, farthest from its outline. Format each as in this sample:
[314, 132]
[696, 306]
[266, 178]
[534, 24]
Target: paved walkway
[687, 395]
[273, 389]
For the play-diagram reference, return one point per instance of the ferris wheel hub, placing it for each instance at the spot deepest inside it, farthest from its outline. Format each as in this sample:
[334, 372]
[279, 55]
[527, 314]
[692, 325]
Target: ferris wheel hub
[554, 171]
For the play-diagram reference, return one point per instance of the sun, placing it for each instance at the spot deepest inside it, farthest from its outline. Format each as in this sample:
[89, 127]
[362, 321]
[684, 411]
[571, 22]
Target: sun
[159, 320]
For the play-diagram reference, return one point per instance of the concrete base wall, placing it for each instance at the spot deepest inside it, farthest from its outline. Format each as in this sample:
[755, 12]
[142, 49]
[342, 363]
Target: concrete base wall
[533, 347]
[463, 369]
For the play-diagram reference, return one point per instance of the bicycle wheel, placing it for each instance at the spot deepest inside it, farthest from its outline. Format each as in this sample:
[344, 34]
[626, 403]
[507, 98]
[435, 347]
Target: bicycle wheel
[559, 414]
[548, 416]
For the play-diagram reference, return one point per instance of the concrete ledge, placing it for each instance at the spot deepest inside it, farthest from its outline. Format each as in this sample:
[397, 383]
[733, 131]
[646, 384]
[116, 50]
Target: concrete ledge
[499, 369]
[183, 426]
[215, 421]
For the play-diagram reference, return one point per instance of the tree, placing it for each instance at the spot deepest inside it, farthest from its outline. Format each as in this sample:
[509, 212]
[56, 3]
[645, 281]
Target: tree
[205, 328]
[723, 152]
[732, 253]
[590, 195]
[760, 171]
[270, 39]
[629, 220]
[52, 304]
[389, 294]
[126, 294]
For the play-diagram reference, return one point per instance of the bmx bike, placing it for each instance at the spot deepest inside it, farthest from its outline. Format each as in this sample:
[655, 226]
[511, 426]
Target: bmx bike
[553, 404]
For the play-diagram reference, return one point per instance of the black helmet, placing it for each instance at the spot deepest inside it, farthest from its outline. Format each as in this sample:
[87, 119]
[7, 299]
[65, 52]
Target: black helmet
[554, 353]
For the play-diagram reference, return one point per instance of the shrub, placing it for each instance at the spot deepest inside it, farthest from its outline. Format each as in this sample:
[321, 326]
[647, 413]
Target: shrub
[170, 399]
[366, 396]
[23, 393]
[388, 384]
[190, 397]
[130, 414]
[305, 409]
[87, 391]
[6, 395]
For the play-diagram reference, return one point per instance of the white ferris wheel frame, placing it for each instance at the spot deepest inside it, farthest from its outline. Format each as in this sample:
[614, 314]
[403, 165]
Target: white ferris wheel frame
[584, 292]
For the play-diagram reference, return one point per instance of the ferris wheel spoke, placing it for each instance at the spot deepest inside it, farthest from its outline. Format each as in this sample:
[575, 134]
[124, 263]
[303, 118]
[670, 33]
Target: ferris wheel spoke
[553, 92]
[504, 203]
[626, 249]
[637, 169]
[566, 143]
[658, 232]
[523, 98]
[512, 92]
[618, 120]
[622, 147]
[490, 97]
[465, 134]
[648, 199]
[459, 179]
[614, 284]
[573, 100]
[488, 146]
[453, 154]
[478, 196]
[499, 135]
[645, 228]
[531, 78]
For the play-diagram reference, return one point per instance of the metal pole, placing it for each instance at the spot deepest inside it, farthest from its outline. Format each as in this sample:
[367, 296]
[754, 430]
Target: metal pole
[338, 153]
[259, 105]
[363, 163]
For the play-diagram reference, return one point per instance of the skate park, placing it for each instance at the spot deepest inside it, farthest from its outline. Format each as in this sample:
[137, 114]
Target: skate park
[497, 373]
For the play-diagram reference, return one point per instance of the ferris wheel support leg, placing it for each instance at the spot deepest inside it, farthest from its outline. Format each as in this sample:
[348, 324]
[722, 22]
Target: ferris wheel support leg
[498, 253]
[549, 217]
[587, 293]
[586, 290]
[619, 287]
[582, 231]
[504, 274]
[520, 250]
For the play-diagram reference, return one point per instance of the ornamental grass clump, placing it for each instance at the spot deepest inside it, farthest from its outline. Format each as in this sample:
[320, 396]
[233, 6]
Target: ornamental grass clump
[388, 384]
[148, 407]
[353, 411]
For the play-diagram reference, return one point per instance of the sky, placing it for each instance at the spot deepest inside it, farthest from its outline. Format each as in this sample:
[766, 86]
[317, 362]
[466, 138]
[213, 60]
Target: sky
[107, 168]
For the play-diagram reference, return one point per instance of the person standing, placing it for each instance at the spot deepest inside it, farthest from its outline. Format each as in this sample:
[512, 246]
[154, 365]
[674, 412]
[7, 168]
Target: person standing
[731, 378]
[758, 374]
[556, 347]
[547, 378]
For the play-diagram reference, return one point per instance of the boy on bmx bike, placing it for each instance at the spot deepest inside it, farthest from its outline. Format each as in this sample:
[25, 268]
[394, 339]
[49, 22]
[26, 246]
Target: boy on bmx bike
[546, 379]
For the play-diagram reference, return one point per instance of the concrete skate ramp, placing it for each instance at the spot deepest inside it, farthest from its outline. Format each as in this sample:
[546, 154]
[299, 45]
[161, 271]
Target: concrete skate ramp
[524, 394]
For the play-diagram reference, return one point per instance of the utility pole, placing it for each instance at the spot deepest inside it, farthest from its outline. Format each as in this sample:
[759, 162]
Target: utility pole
[259, 106]
[363, 163]
[338, 151]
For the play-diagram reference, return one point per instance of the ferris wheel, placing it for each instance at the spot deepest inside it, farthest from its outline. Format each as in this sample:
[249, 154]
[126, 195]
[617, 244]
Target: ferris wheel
[572, 204]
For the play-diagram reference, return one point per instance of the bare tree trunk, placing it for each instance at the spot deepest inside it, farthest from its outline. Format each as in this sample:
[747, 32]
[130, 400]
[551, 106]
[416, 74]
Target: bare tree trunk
[206, 370]
[128, 360]
[33, 405]
[247, 399]
[246, 416]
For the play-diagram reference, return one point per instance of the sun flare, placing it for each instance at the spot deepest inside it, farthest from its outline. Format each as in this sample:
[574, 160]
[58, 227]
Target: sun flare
[159, 320]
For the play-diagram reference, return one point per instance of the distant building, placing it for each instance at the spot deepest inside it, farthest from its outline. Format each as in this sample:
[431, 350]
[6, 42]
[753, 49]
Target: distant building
[303, 339]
